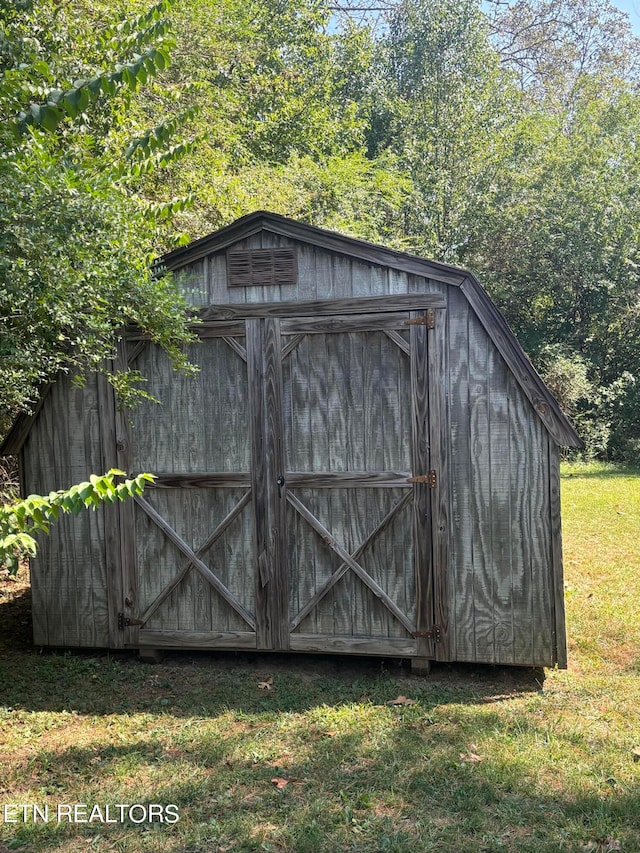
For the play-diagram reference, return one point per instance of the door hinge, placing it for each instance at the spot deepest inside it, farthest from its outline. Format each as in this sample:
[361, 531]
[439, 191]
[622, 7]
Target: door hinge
[431, 479]
[427, 319]
[434, 634]
[127, 621]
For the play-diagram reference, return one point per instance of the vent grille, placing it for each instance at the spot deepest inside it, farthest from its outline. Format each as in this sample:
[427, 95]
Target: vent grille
[258, 267]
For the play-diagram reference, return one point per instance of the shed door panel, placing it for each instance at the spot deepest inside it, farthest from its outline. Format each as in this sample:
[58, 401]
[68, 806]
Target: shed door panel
[194, 577]
[282, 516]
[349, 447]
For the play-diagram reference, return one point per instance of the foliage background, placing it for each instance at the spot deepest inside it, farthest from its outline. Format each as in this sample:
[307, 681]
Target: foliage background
[501, 138]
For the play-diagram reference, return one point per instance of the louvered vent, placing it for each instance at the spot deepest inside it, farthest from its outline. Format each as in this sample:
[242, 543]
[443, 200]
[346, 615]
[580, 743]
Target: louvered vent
[262, 266]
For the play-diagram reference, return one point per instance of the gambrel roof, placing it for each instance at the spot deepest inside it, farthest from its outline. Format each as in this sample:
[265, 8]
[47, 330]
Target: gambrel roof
[479, 301]
[490, 317]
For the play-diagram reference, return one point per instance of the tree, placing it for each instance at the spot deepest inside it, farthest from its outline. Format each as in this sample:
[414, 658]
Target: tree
[445, 108]
[75, 243]
[560, 252]
[552, 45]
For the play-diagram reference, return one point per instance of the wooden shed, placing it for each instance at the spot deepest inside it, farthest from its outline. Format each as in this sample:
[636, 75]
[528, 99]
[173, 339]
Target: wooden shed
[365, 463]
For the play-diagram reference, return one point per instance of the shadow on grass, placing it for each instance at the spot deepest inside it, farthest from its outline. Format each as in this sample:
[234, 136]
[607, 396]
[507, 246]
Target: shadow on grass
[205, 685]
[15, 616]
[411, 786]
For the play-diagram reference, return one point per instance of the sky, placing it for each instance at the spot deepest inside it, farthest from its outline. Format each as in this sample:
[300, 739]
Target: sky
[632, 8]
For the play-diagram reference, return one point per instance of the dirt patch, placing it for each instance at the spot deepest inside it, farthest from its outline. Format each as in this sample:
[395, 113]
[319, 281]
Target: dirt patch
[15, 611]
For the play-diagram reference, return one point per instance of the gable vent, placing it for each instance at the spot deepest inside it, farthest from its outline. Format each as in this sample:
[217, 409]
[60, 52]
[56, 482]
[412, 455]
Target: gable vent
[262, 266]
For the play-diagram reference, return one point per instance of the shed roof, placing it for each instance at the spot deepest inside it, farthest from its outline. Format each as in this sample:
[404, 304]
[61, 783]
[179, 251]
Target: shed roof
[490, 317]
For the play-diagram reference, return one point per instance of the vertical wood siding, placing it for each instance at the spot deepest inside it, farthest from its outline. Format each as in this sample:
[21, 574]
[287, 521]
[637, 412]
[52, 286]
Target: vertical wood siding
[68, 577]
[199, 426]
[502, 598]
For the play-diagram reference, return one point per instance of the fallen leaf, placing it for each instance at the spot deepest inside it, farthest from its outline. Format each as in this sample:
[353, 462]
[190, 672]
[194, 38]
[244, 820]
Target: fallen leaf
[402, 700]
[279, 782]
[265, 685]
[472, 757]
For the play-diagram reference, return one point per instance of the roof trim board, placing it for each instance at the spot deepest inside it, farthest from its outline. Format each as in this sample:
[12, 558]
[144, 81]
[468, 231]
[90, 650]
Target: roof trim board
[252, 224]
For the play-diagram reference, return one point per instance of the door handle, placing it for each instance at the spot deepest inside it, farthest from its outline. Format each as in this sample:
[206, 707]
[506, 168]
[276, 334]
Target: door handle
[280, 482]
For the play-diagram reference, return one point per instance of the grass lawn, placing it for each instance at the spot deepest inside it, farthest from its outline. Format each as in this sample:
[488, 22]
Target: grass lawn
[306, 754]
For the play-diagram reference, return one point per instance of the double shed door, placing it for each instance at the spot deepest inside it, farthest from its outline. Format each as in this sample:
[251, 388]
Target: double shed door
[299, 498]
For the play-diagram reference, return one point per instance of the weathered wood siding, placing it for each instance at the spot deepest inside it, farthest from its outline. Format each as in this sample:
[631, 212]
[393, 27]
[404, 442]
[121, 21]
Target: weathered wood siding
[342, 397]
[503, 602]
[321, 275]
[347, 408]
[69, 575]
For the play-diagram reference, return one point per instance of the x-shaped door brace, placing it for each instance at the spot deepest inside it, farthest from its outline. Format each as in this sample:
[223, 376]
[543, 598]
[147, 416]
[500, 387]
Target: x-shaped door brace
[194, 559]
[350, 561]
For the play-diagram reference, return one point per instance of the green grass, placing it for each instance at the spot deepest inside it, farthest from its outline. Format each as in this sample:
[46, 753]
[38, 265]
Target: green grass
[485, 759]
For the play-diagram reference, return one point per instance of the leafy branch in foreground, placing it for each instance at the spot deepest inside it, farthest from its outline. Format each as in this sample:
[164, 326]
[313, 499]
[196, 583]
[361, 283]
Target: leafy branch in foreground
[20, 520]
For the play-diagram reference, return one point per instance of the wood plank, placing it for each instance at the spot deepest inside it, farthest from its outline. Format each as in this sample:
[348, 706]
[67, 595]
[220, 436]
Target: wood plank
[420, 462]
[217, 279]
[399, 341]
[356, 305]
[135, 351]
[341, 277]
[235, 346]
[126, 510]
[196, 639]
[255, 375]
[542, 650]
[481, 590]
[526, 491]
[204, 480]
[347, 323]
[346, 557]
[291, 345]
[462, 636]
[438, 441]
[556, 557]
[330, 644]
[197, 563]
[112, 543]
[274, 460]
[500, 501]
[368, 279]
[213, 329]
[348, 479]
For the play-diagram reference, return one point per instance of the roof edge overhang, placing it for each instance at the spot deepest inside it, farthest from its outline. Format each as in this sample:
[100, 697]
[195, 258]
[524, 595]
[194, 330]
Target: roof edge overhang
[354, 247]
